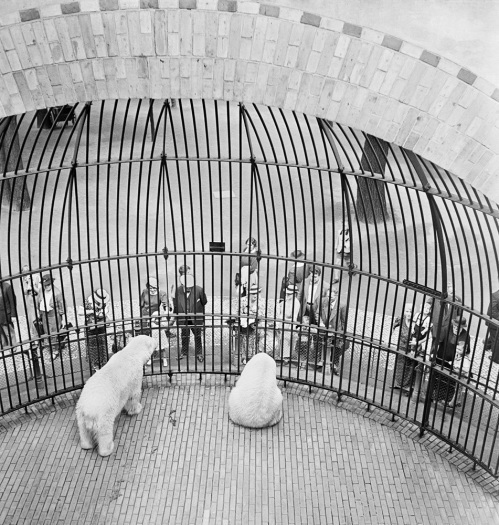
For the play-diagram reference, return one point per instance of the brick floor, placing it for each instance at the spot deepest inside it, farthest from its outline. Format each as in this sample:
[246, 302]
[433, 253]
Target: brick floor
[321, 464]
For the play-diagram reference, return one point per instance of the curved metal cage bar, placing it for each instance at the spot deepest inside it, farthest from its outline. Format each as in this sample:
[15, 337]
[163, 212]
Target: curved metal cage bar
[115, 194]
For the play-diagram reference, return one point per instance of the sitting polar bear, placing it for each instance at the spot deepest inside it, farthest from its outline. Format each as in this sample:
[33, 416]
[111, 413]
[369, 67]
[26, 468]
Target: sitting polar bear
[256, 401]
[117, 385]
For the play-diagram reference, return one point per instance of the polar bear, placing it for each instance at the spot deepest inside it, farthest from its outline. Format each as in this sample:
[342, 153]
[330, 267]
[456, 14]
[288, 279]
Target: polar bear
[117, 385]
[256, 401]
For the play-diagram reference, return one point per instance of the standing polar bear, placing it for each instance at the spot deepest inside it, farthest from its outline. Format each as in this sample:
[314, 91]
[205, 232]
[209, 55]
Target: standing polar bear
[117, 385]
[256, 401]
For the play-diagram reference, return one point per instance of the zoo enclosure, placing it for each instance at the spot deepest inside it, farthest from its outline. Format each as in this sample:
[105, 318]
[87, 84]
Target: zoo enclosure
[110, 194]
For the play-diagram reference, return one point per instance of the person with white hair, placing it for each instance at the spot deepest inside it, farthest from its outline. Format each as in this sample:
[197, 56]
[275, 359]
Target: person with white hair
[153, 301]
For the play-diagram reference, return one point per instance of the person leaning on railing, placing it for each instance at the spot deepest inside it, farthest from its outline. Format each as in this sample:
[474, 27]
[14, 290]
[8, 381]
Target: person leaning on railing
[402, 329]
[51, 309]
[420, 339]
[96, 311]
[444, 387]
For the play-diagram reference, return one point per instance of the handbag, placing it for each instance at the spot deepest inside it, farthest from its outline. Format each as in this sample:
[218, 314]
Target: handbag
[38, 325]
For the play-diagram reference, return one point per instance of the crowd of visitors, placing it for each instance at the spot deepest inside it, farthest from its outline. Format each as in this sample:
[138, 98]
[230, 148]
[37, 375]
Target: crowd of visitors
[310, 322]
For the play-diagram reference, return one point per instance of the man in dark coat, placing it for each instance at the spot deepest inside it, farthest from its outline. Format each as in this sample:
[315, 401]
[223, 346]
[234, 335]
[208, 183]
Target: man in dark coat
[492, 340]
[8, 311]
[333, 316]
[188, 304]
[451, 312]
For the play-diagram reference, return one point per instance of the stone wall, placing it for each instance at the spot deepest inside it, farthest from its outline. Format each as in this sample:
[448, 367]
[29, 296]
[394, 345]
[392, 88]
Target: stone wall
[252, 52]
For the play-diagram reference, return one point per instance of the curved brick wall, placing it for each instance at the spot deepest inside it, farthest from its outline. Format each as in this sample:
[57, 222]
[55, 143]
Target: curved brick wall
[252, 52]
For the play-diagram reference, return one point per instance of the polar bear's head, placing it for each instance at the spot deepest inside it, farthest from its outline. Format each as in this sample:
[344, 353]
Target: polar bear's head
[142, 345]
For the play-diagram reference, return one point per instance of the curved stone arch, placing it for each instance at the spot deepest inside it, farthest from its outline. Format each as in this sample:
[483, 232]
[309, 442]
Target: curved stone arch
[248, 52]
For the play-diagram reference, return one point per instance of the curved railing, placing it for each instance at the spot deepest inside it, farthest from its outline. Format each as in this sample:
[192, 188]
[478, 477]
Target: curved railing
[367, 370]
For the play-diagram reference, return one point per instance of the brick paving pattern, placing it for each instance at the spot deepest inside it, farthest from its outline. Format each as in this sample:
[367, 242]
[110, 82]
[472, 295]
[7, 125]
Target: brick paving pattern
[320, 464]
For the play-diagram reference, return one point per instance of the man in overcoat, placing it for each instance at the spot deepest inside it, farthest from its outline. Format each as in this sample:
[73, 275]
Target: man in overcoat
[189, 305]
[333, 316]
[492, 340]
[8, 311]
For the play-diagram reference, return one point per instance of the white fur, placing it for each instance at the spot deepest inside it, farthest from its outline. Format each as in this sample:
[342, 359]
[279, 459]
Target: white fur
[117, 385]
[256, 401]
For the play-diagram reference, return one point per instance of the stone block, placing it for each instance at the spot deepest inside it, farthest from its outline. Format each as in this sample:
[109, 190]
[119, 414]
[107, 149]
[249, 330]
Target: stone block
[234, 36]
[352, 30]
[411, 50]
[187, 4]
[149, 4]
[70, 8]
[168, 4]
[89, 5]
[466, 76]
[227, 5]
[65, 41]
[342, 46]
[282, 45]
[251, 8]
[350, 60]
[484, 86]
[332, 24]
[109, 5]
[430, 58]
[310, 19]
[293, 15]
[27, 15]
[9, 19]
[448, 66]
[269, 10]
[392, 42]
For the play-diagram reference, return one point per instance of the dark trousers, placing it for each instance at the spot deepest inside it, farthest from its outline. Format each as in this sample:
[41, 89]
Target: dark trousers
[188, 327]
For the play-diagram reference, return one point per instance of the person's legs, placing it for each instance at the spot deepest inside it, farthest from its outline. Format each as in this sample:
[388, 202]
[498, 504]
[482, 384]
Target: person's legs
[336, 271]
[186, 336]
[198, 339]
[51, 328]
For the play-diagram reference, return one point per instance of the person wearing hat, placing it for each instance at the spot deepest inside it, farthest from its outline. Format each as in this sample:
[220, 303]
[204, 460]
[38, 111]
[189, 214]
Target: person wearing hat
[96, 312]
[310, 295]
[296, 275]
[457, 343]
[288, 310]
[51, 310]
[8, 311]
[152, 299]
[189, 306]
